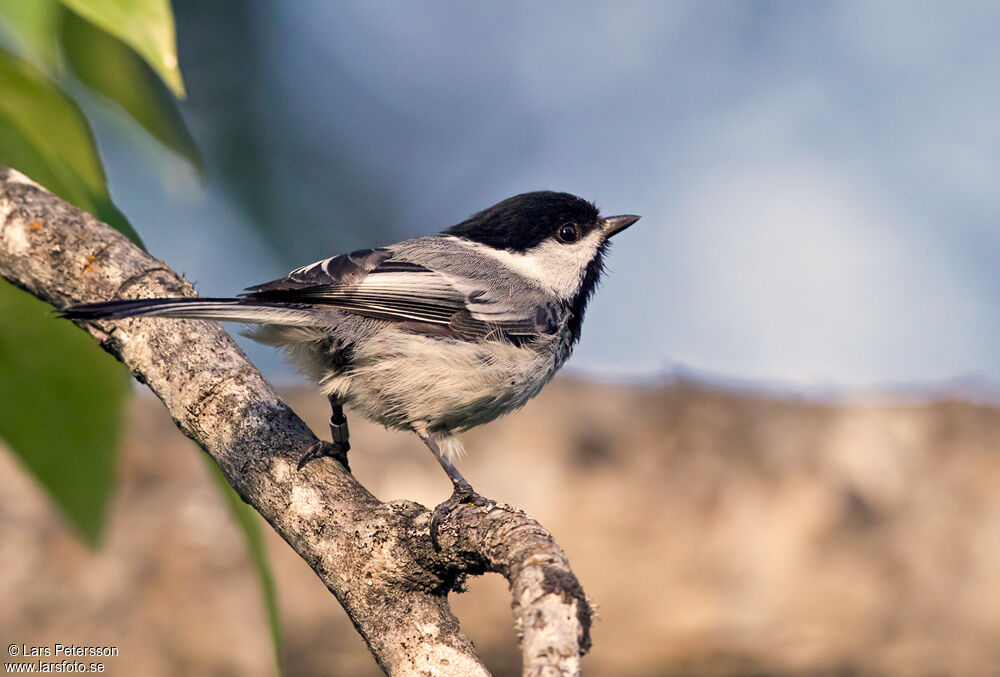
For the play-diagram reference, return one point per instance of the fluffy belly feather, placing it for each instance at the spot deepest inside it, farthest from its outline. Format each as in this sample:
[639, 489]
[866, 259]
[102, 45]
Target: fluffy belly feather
[396, 378]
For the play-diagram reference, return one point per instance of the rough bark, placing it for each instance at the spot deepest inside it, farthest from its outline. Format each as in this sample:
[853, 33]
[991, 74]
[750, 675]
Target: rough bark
[376, 558]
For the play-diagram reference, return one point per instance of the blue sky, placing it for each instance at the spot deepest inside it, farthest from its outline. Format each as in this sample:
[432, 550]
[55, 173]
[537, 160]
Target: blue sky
[818, 181]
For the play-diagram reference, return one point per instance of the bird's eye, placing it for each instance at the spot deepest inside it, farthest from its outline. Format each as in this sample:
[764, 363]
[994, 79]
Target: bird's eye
[568, 232]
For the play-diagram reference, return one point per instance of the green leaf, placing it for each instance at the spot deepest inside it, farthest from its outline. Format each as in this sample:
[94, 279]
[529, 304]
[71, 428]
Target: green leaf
[108, 66]
[147, 26]
[249, 522]
[34, 26]
[60, 396]
[61, 400]
[45, 135]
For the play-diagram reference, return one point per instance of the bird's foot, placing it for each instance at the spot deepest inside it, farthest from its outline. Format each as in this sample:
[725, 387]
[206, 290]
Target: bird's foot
[463, 494]
[335, 450]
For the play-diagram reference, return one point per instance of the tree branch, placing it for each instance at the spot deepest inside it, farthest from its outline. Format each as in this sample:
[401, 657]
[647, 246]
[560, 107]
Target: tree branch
[377, 558]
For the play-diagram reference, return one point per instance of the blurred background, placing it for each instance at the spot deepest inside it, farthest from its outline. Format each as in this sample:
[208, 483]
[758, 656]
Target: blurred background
[775, 450]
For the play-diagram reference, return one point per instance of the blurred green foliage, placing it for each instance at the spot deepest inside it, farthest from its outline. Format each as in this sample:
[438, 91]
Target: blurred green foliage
[33, 25]
[52, 406]
[45, 135]
[61, 397]
[108, 66]
[147, 26]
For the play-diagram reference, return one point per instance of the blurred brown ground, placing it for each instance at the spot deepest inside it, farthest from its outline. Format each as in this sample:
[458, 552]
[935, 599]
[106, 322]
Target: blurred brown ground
[719, 533]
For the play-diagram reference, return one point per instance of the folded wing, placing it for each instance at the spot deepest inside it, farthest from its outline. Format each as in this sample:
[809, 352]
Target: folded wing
[372, 283]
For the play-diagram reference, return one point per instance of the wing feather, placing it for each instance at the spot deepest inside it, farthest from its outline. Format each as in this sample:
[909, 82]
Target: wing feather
[371, 283]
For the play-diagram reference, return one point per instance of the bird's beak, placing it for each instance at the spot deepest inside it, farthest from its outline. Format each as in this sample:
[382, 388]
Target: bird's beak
[616, 224]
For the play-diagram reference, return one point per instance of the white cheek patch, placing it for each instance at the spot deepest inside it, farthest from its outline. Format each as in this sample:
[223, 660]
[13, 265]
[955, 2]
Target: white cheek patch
[552, 265]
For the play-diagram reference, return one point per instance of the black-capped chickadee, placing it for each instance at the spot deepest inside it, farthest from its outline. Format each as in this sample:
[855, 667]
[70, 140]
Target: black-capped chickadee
[436, 334]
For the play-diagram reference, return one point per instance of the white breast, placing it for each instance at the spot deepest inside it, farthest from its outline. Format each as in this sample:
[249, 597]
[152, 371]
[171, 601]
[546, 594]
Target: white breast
[399, 377]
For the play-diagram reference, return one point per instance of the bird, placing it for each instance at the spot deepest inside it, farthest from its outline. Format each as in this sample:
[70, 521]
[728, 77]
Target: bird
[435, 334]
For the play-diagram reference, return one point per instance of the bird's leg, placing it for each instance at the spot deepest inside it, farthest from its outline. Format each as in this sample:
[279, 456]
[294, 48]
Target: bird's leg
[460, 484]
[338, 449]
[462, 492]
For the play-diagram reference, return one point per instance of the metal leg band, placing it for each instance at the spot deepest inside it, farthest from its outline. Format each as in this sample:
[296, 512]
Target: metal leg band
[339, 431]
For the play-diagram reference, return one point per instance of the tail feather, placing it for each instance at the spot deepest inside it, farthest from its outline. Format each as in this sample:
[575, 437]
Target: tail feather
[223, 309]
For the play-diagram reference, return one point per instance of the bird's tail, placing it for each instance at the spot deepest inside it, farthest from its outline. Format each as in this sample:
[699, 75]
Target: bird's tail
[222, 309]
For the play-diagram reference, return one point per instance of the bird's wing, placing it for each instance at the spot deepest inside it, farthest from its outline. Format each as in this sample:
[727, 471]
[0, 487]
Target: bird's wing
[372, 283]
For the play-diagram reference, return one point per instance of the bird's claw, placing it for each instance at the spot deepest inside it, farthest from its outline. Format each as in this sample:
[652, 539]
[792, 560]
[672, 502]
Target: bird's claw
[335, 450]
[462, 495]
